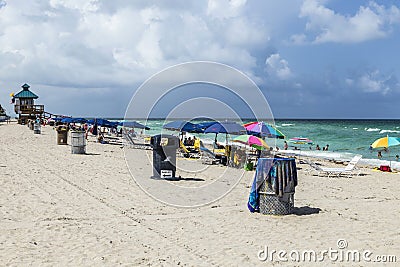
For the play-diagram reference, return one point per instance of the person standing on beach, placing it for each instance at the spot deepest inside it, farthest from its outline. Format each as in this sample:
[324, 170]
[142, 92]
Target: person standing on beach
[196, 143]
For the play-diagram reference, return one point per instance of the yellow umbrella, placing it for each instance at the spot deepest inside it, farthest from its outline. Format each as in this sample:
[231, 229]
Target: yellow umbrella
[386, 142]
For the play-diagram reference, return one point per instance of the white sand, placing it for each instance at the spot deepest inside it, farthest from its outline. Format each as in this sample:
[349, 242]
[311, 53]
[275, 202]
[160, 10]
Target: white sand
[61, 209]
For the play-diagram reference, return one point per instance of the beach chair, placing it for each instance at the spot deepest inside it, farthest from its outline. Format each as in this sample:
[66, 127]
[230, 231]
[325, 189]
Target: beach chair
[207, 157]
[349, 170]
[186, 153]
[133, 140]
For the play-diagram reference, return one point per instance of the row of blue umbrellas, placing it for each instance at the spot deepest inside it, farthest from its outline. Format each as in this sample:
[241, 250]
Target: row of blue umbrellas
[102, 122]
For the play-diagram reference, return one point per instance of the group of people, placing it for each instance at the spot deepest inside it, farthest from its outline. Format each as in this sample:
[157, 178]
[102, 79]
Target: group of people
[192, 142]
[379, 155]
[188, 141]
[325, 148]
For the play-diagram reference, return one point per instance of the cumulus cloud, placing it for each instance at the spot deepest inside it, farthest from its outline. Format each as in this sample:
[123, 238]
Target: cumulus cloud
[90, 42]
[325, 25]
[225, 8]
[374, 82]
[278, 67]
[82, 47]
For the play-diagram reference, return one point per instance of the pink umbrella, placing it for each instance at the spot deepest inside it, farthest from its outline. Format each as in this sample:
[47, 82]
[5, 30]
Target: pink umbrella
[251, 140]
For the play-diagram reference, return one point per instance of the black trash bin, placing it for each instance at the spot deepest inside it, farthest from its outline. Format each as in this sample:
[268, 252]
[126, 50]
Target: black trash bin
[164, 156]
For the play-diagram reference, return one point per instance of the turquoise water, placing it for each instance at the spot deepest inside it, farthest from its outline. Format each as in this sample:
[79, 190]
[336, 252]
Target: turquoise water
[343, 136]
[352, 136]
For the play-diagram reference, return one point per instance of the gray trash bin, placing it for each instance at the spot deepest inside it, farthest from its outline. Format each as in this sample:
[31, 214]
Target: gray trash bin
[78, 142]
[164, 156]
[36, 128]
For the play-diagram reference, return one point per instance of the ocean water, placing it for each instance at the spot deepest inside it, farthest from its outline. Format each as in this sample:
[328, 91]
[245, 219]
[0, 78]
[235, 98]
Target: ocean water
[345, 137]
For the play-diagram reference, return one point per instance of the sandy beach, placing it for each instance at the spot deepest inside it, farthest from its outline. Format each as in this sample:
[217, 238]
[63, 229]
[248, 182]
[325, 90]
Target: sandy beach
[63, 209]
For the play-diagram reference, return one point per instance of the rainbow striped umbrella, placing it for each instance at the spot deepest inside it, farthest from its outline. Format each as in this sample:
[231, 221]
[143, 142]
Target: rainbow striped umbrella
[263, 129]
[386, 142]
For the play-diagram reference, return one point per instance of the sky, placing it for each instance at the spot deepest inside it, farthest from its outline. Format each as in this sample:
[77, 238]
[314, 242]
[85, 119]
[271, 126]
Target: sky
[310, 58]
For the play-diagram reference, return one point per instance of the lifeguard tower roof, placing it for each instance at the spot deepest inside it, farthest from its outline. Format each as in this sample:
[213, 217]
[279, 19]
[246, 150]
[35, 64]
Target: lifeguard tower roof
[25, 93]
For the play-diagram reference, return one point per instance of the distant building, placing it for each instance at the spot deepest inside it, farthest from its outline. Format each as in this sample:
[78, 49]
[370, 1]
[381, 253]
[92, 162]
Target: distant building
[25, 106]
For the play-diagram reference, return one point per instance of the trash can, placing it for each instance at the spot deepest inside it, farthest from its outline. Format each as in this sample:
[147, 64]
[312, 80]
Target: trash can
[62, 134]
[78, 142]
[278, 188]
[36, 128]
[164, 156]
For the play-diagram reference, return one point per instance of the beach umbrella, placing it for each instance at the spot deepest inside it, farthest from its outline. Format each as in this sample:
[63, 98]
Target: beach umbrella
[386, 142]
[103, 123]
[252, 141]
[180, 125]
[66, 120]
[56, 118]
[73, 120]
[263, 129]
[133, 124]
[228, 127]
[201, 126]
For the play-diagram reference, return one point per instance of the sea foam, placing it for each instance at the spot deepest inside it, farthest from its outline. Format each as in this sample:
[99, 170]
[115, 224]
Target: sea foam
[389, 131]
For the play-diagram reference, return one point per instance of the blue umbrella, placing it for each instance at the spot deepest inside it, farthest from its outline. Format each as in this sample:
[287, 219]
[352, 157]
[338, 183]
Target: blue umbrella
[73, 120]
[228, 127]
[103, 123]
[133, 124]
[66, 120]
[182, 126]
[200, 127]
[57, 118]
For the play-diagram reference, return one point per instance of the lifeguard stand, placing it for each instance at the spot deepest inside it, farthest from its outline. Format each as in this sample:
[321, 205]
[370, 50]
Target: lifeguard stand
[25, 105]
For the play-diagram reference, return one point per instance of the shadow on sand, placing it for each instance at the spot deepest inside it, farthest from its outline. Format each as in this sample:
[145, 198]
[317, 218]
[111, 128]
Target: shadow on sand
[191, 179]
[175, 179]
[305, 210]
